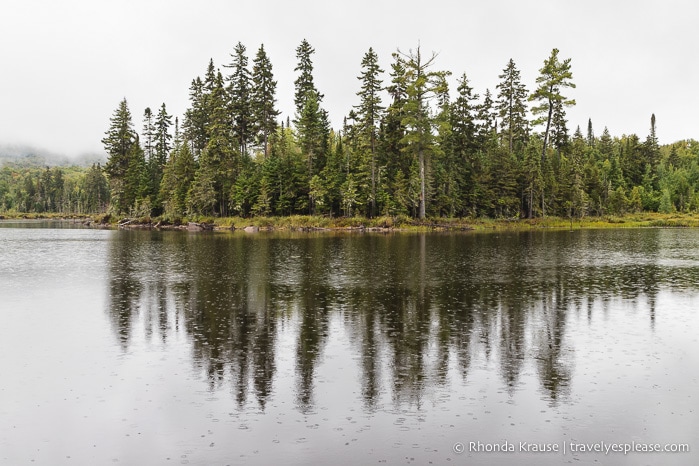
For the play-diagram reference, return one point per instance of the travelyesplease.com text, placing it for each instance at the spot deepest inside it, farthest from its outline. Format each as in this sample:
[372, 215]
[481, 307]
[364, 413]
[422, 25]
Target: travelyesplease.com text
[570, 447]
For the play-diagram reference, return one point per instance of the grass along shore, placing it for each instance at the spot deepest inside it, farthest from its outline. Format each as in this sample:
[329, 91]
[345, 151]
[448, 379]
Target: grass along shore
[400, 223]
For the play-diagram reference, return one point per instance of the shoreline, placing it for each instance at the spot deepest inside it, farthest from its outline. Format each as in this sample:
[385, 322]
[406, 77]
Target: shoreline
[361, 224]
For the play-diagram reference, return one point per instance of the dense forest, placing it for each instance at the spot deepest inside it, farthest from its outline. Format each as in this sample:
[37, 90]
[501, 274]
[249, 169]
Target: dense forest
[410, 146]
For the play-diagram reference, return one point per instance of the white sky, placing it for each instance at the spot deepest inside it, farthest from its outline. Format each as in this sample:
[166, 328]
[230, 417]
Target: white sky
[65, 65]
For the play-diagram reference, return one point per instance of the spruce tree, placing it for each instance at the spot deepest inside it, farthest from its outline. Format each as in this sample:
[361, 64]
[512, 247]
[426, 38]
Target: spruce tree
[487, 119]
[156, 163]
[263, 99]
[590, 134]
[651, 146]
[420, 85]
[464, 141]
[312, 136]
[196, 118]
[511, 106]
[304, 84]
[163, 122]
[120, 143]
[148, 134]
[392, 129]
[218, 162]
[239, 90]
[559, 127]
[369, 114]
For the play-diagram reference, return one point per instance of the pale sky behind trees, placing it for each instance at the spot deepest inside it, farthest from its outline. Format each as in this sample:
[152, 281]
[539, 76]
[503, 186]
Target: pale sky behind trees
[66, 65]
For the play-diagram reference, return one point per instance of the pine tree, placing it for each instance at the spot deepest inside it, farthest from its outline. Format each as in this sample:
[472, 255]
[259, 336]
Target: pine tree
[120, 144]
[239, 90]
[590, 134]
[554, 76]
[445, 170]
[218, 162]
[488, 126]
[369, 114]
[312, 136]
[651, 146]
[392, 130]
[163, 122]
[304, 84]
[263, 99]
[511, 106]
[559, 127]
[148, 134]
[464, 141]
[156, 163]
[196, 118]
[418, 140]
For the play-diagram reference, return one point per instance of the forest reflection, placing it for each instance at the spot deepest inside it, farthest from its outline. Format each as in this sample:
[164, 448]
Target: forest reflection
[416, 308]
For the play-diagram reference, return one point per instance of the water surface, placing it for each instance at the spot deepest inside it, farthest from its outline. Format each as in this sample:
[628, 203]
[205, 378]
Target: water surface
[142, 347]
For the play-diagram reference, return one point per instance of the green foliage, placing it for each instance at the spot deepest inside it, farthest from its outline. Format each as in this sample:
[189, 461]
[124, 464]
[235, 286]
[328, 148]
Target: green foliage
[512, 108]
[126, 163]
[240, 102]
[427, 152]
[304, 84]
[553, 77]
[263, 99]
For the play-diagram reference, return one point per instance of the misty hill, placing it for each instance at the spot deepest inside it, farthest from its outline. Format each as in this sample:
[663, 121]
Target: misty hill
[27, 156]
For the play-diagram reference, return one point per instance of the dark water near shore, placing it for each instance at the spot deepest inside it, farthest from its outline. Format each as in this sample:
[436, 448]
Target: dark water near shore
[138, 347]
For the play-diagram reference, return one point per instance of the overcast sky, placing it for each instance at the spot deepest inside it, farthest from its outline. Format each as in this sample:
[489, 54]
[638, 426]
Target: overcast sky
[65, 65]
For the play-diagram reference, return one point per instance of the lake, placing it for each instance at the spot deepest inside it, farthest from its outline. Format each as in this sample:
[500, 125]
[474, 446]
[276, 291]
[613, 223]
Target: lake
[140, 347]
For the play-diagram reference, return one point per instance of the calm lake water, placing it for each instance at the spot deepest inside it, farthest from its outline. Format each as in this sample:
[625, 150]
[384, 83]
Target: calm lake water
[138, 347]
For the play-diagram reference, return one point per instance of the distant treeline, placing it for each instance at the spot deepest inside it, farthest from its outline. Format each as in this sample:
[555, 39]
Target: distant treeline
[409, 146]
[70, 190]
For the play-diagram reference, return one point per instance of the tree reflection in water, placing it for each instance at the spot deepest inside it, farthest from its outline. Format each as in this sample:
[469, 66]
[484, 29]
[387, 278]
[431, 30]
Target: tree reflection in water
[415, 308]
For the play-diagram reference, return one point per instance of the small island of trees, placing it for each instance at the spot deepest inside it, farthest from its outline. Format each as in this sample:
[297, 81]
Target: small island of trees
[410, 147]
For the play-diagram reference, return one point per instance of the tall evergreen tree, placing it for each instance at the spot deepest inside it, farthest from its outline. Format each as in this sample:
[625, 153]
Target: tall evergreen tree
[163, 122]
[263, 99]
[218, 162]
[511, 106]
[488, 125]
[651, 146]
[148, 134]
[554, 76]
[464, 140]
[239, 89]
[392, 128]
[369, 114]
[559, 127]
[196, 117]
[421, 84]
[312, 136]
[120, 143]
[156, 164]
[304, 84]
[590, 134]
